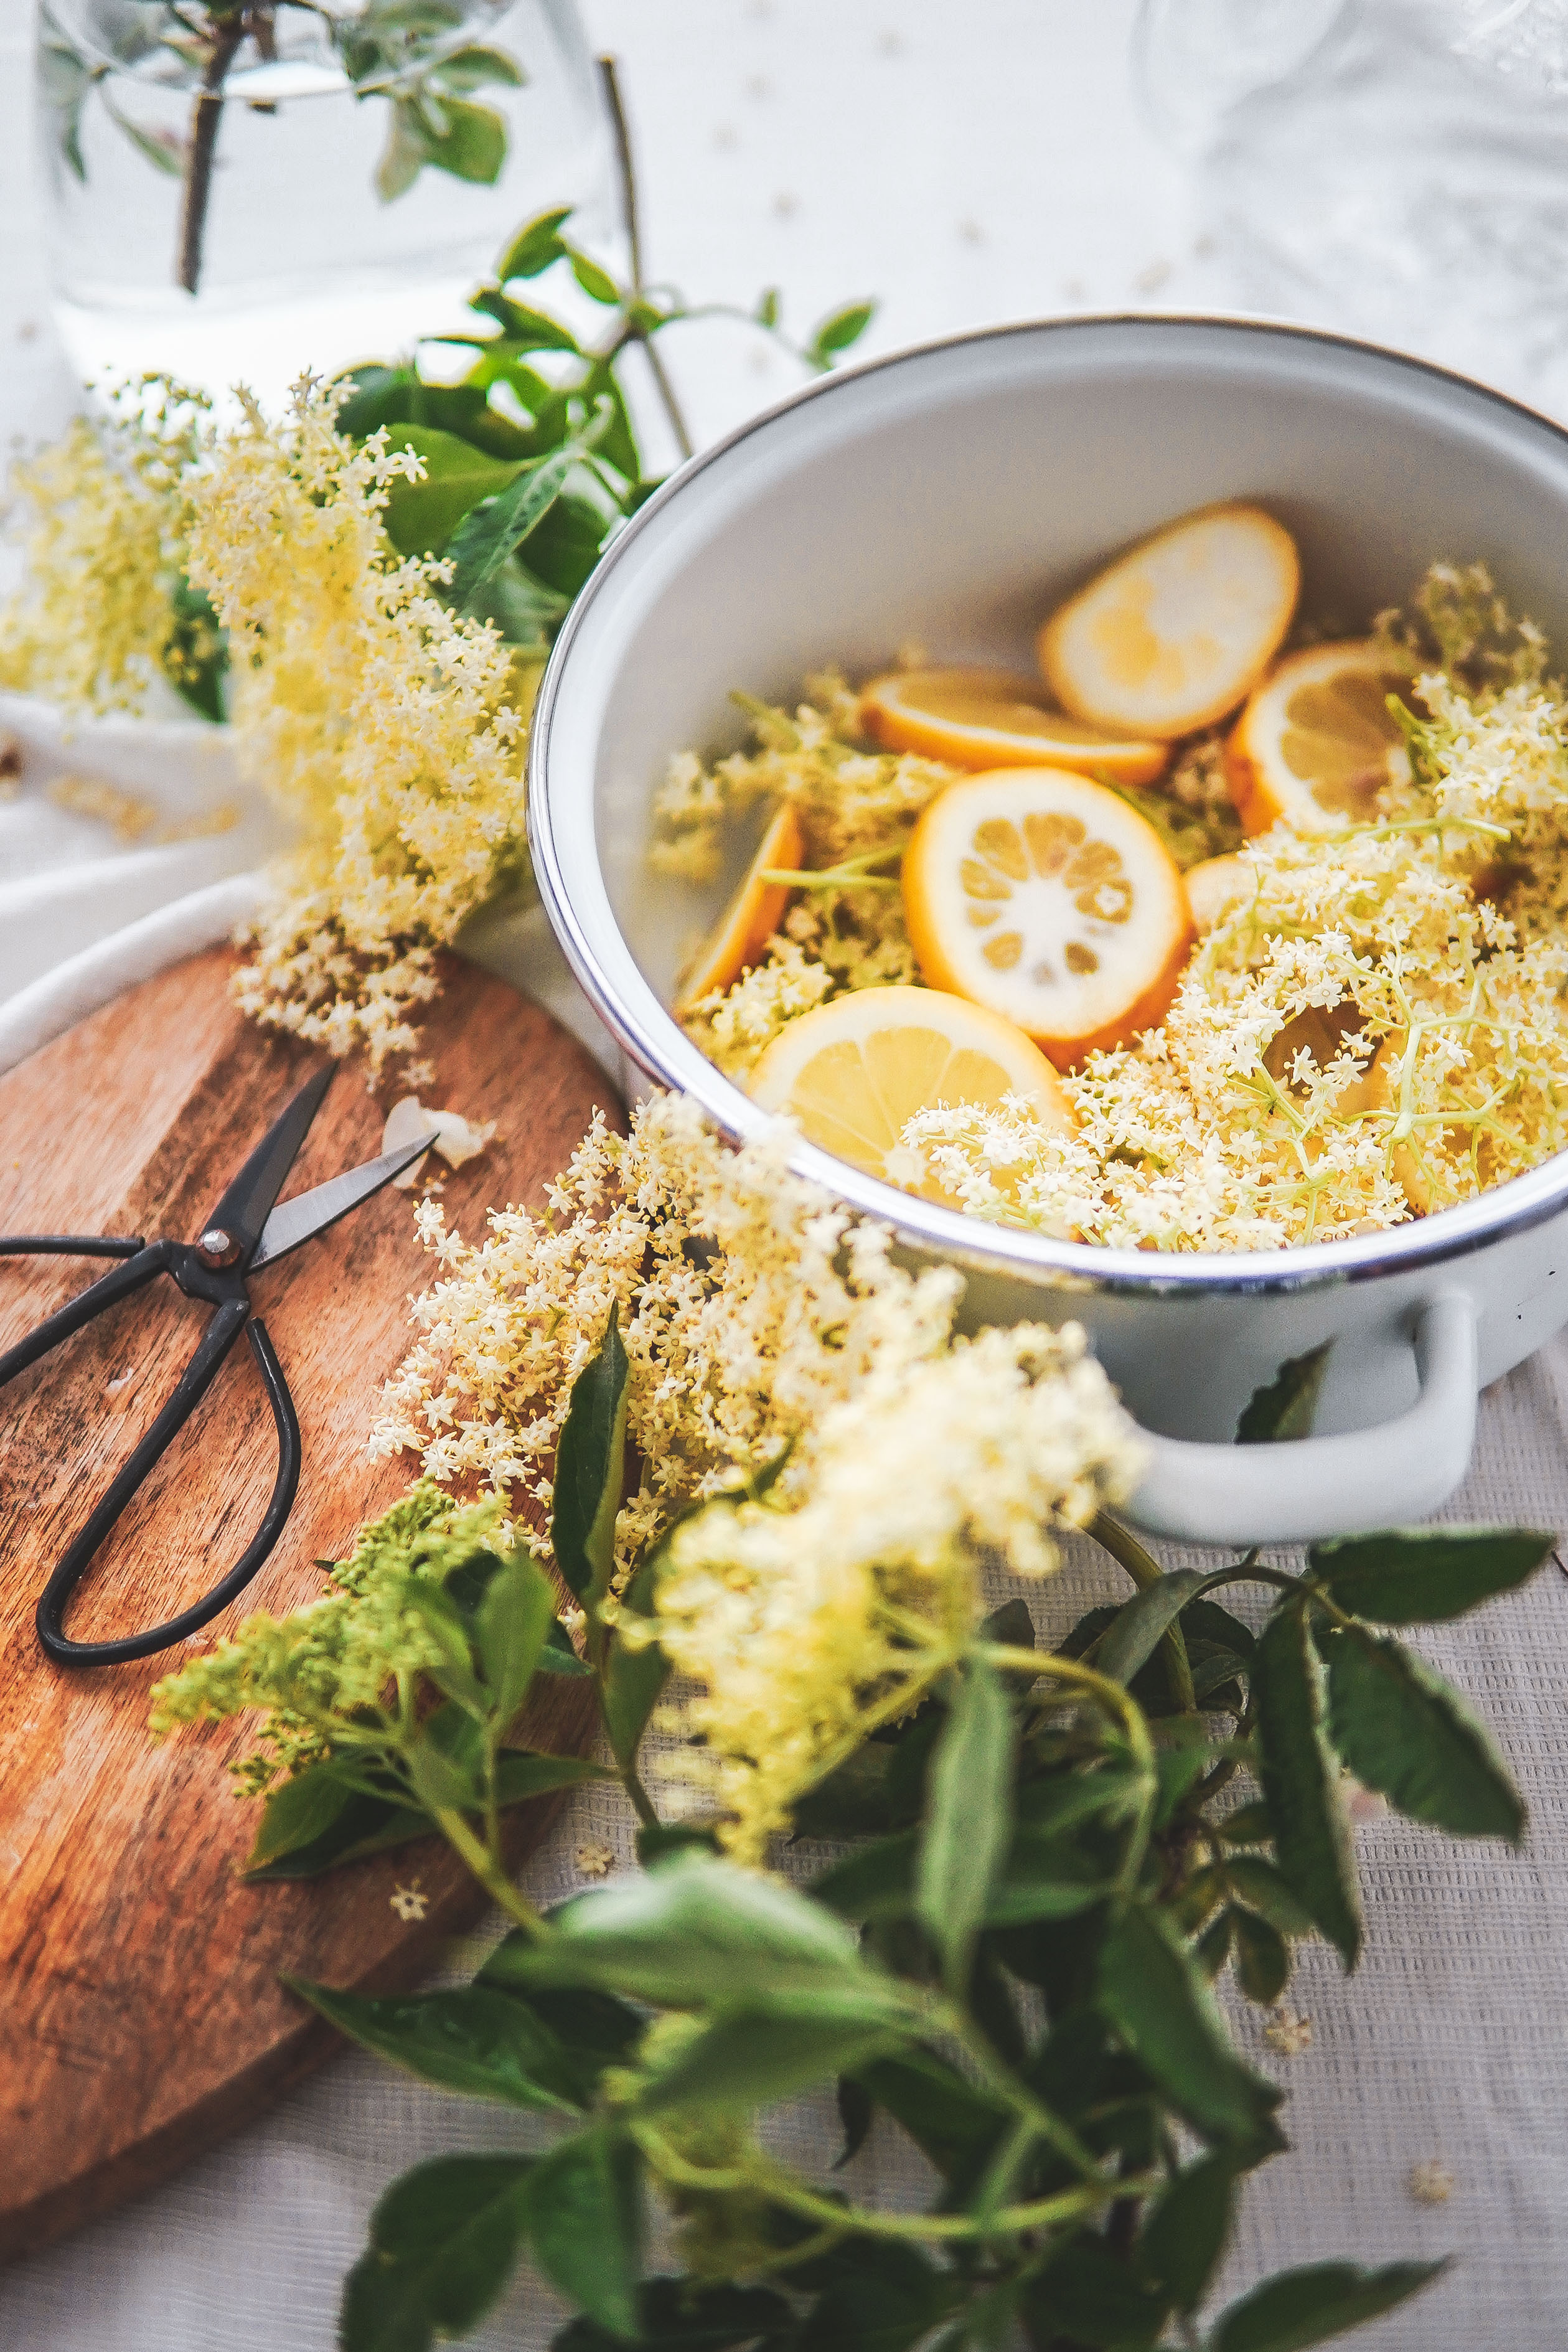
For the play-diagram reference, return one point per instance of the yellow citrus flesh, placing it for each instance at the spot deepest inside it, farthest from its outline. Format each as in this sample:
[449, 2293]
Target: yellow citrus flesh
[1316, 742]
[1216, 885]
[989, 719]
[856, 1070]
[1171, 636]
[1048, 899]
[752, 916]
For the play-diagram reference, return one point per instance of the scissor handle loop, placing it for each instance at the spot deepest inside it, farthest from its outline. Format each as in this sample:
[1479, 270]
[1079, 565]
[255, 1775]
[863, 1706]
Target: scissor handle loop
[229, 1319]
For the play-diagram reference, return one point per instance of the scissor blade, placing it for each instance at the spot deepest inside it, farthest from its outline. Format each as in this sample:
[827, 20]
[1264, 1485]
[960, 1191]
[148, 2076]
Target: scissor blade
[309, 1213]
[242, 1211]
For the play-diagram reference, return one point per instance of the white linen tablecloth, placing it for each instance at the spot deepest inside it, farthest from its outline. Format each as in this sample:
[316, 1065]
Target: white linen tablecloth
[967, 165]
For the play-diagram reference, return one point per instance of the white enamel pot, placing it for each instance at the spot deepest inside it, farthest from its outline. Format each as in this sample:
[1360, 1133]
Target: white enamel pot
[951, 495]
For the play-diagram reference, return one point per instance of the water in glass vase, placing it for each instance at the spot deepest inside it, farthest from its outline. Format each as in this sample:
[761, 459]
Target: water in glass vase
[234, 193]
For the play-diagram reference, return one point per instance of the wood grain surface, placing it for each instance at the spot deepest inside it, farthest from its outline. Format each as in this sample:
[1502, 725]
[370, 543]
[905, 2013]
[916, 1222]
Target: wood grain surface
[140, 2016]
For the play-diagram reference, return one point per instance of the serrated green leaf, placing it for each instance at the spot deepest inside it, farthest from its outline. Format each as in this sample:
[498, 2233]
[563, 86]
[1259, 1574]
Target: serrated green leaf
[472, 2040]
[382, 395]
[440, 1785]
[1405, 1732]
[591, 1469]
[584, 2213]
[1306, 2306]
[1262, 1957]
[1301, 1781]
[515, 1614]
[593, 2029]
[1149, 1990]
[421, 516]
[1286, 1407]
[744, 2061]
[493, 532]
[535, 245]
[444, 2241]
[1134, 1631]
[595, 282]
[1423, 1576]
[1263, 1889]
[1180, 2243]
[968, 1822]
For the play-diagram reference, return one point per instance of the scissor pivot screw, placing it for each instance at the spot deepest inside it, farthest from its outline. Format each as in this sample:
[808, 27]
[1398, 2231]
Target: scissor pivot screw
[215, 1247]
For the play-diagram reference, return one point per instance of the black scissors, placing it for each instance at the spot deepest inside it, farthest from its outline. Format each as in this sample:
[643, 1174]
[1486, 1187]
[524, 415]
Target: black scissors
[244, 1232]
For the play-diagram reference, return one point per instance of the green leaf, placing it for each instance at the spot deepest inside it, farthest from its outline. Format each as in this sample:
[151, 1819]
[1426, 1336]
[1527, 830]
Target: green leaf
[453, 1672]
[591, 1469]
[585, 2225]
[487, 537]
[1212, 1948]
[558, 1656]
[526, 330]
[1301, 1781]
[535, 245]
[1086, 2295]
[521, 1774]
[1285, 1407]
[1423, 1576]
[472, 68]
[1043, 1878]
[1181, 2242]
[685, 2314]
[857, 2113]
[840, 328]
[1135, 1633]
[1262, 1958]
[596, 283]
[1060, 1802]
[743, 2061]
[444, 2241]
[1264, 1889]
[440, 1785]
[405, 154]
[884, 2298]
[854, 1801]
[657, 1841]
[1307, 2306]
[1251, 1825]
[473, 2040]
[382, 395]
[1150, 1992]
[968, 1822]
[594, 2030]
[471, 146]
[366, 1826]
[870, 1882]
[1179, 1769]
[515, 1614]
[1405, 1732]
[634, 1676]
[297, 1814]
[766, 312]
[164, 149]
[421, 516]
[953, 2122]
[688, 1934]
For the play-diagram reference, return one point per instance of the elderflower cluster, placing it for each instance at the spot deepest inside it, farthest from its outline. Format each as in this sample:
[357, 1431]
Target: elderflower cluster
[735, 1026]
[794, 1624]
[105, 515]
[387, 727]
[751, 1307]
[312, 1674]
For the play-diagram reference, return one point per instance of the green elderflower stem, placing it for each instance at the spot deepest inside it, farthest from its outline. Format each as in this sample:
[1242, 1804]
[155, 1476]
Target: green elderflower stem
[488, 1871]
[1145, 1571]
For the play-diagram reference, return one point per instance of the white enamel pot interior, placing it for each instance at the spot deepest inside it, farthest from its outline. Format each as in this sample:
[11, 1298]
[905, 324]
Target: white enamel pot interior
[952, 495]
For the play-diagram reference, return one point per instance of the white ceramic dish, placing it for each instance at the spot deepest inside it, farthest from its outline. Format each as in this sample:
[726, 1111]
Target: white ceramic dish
[952, 494]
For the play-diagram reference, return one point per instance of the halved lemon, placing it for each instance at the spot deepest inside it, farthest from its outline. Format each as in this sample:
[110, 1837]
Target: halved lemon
[989, 719]
[1172, 634]
[1050, 900]
[855, 1071]
[1216, 884]
[752, 916]
[1316, 743]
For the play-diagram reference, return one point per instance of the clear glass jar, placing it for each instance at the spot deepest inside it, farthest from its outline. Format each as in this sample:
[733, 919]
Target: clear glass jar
[292, 185]
[1395, 168]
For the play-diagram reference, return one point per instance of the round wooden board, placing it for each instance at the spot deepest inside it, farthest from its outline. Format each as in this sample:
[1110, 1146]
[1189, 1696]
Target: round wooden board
[143, 2014]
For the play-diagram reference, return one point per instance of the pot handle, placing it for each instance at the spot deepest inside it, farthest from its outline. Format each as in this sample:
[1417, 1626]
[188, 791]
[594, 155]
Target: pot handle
[1311, 1486]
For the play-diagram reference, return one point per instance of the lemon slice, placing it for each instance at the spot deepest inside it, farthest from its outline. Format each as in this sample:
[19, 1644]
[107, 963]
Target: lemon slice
[1050, 900]
[989, 719]
[1316, 743]
[1216, 884]
[855, 1071]
[1172, 634]
[752, 916]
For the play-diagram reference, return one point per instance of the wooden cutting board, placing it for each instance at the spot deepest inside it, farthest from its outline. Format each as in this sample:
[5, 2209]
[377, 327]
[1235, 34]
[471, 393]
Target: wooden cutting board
[140, 2016]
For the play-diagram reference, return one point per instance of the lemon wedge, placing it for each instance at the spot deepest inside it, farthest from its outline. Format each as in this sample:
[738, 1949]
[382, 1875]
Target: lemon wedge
[856, 1070]
[1050, 900]
[989, 719]
[752, 916]
[1316, 742]
[1172, 634]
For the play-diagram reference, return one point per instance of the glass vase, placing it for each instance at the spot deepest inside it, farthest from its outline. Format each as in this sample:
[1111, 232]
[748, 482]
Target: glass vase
[1395, 168]
[236, 193]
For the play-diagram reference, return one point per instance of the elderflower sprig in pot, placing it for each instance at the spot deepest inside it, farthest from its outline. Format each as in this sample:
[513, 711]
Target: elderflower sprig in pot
[777, 1486]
